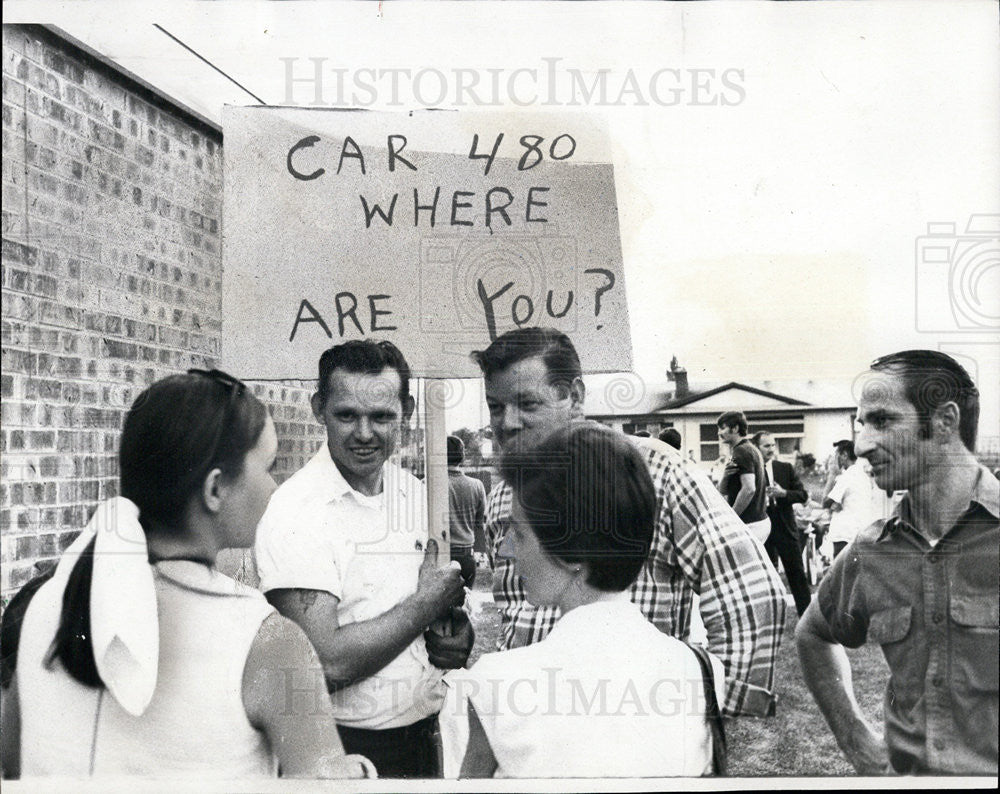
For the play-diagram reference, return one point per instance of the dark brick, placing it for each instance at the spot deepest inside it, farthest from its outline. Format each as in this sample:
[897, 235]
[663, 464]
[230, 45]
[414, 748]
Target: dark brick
[18, 252]
[69, 367]
[64, 66]
[49, 466]
[21, 575]
[49, 544]
[41, 439]
[106, 136]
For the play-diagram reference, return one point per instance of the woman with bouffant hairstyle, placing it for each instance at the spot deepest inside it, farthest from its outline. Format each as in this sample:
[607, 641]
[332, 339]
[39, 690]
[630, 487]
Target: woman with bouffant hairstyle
[138, 657]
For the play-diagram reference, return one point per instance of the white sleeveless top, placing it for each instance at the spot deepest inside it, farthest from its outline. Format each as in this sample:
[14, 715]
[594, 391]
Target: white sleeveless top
[195, 726]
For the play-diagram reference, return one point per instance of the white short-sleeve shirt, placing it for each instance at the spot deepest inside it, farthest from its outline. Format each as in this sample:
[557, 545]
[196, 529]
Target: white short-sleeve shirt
[855, 491]
[605, 694]
[318, 533]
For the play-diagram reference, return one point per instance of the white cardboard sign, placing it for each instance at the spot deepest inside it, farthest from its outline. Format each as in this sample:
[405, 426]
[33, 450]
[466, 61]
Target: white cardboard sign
[435, 230]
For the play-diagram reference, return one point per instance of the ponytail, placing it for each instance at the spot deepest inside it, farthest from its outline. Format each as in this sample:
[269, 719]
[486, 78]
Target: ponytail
[72, 645]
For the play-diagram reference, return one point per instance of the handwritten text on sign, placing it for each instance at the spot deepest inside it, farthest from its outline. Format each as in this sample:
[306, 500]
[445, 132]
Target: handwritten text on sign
[436, 230]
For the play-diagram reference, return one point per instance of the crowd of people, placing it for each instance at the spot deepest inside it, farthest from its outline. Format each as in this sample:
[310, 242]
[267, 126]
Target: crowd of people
[136, 656]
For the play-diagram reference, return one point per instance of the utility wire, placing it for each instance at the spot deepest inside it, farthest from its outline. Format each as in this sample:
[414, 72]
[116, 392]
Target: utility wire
[200, 57]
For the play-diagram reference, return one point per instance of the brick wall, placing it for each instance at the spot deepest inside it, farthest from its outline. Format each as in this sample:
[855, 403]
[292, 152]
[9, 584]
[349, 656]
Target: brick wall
[112, 213]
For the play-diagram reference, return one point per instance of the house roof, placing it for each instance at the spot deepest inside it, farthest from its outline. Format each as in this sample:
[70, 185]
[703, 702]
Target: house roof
[693, 397]
[627, 395]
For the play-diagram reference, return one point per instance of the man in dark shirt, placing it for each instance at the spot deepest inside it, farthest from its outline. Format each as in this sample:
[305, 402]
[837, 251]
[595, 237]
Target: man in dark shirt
[923, 584]
[743, 482]
[467, 510]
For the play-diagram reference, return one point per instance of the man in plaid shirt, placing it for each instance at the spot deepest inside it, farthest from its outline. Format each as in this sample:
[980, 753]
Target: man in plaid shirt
[533, 385]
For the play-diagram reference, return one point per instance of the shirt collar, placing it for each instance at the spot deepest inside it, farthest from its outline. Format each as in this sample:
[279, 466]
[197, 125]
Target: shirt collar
[985, 493]
[336, 487]
[595, 613]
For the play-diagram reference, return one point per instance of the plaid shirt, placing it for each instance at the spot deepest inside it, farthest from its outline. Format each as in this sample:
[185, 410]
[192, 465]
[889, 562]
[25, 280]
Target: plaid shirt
[699, 546]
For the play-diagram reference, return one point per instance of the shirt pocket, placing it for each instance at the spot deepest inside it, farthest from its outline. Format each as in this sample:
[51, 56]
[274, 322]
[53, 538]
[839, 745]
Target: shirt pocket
[975, 634]
[889, 625]
[907, 659]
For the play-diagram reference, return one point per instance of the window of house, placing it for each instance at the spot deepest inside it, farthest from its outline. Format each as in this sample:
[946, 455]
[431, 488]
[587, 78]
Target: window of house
[708, 436]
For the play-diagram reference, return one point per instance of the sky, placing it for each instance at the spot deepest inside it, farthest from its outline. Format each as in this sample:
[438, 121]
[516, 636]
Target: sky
[774, 196]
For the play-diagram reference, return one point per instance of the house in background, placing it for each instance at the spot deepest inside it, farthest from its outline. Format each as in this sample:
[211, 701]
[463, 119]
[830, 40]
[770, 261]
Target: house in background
[800, 425]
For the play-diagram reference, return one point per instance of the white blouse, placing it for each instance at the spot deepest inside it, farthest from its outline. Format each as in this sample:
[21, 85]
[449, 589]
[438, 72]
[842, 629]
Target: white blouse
[605, 694]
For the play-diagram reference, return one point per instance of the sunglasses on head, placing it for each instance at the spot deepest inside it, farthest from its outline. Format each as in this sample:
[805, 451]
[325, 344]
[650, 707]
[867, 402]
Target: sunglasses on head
[236, 389]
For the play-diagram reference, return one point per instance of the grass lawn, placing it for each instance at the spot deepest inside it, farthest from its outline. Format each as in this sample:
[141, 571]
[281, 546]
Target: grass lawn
[795, 742]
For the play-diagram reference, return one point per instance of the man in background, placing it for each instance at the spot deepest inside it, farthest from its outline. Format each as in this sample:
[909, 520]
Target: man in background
[784, 488]
[672, 437]
[466, 510]
[742, 481]
[852, 499]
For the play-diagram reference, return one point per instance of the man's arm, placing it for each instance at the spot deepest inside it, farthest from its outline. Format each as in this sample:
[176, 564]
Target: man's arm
[748, 487]
[834, 498]
[795, 493]
[827, 672]
[358, 650]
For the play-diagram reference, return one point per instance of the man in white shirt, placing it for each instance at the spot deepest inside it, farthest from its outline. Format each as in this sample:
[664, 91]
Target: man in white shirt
[343, 551]
[852, 499]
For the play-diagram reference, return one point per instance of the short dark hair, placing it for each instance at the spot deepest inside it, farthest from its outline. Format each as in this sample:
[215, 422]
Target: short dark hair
[456, 450]
[931, 379]
[755, 438]
[672, 437]
[555, 348]
[175, 433]
[847, 448]
[588, 495]
[166, 446]
[733, 419]
[364, 356]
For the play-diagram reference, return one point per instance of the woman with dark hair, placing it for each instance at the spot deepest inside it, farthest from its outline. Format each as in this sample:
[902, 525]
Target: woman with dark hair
[138, 657]
[605, 694]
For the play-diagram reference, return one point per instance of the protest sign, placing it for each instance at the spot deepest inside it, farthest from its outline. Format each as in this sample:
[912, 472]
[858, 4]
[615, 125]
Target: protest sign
[435, 230]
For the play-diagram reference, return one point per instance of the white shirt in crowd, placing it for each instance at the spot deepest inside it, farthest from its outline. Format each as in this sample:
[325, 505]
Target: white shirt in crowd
[605, 694]
[318, 533]
[861, 500]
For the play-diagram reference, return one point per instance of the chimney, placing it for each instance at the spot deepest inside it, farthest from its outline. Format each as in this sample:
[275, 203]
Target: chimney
[679, 377]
